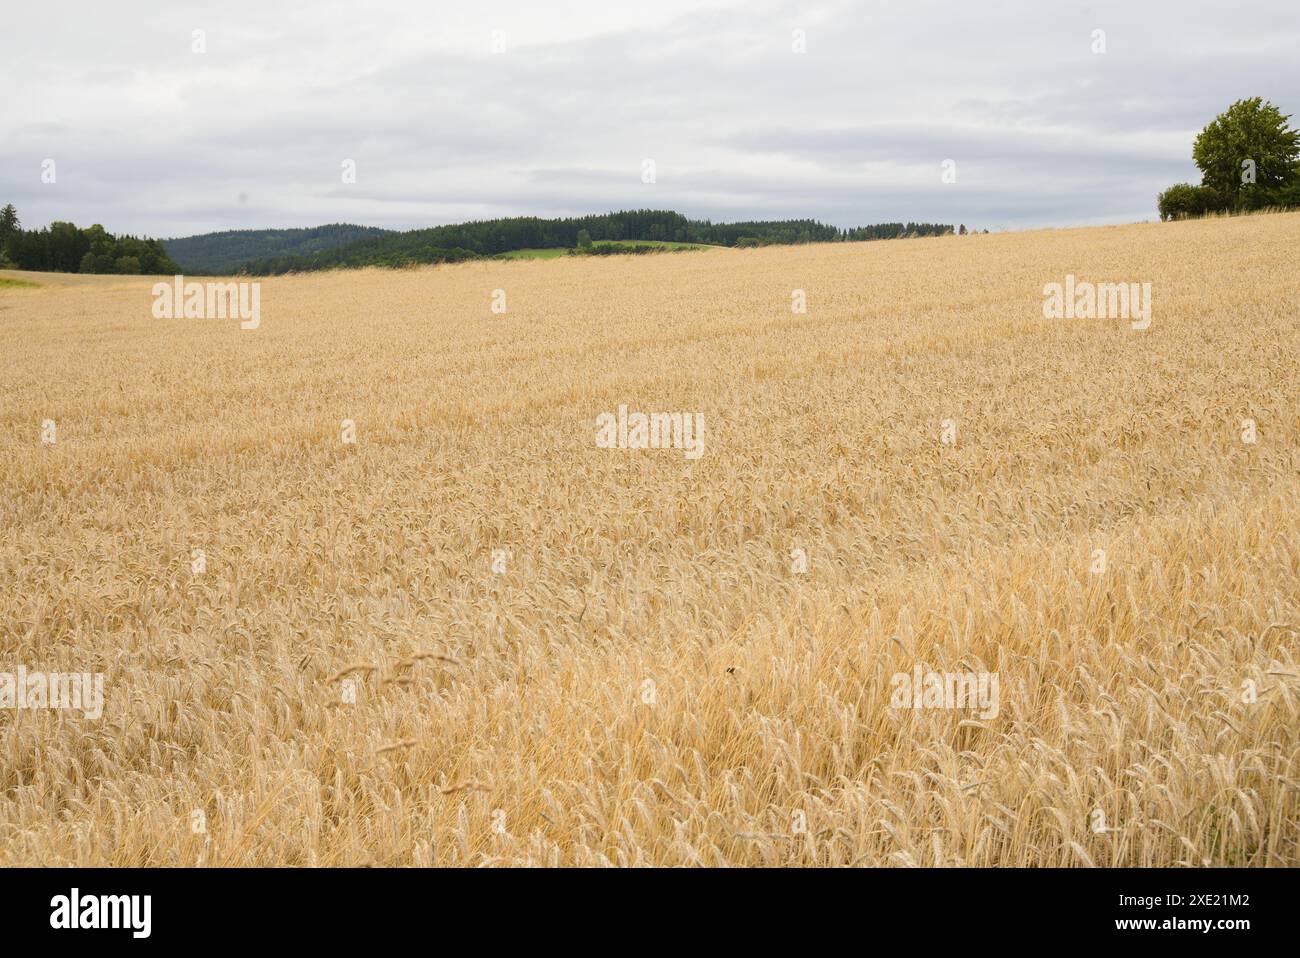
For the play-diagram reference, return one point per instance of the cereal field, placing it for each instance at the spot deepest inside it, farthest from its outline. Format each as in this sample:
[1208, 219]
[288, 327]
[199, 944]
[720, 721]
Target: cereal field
[476, 636]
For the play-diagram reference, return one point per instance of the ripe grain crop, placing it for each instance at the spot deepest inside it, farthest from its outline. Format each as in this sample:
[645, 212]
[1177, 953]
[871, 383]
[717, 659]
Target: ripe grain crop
[473, 637]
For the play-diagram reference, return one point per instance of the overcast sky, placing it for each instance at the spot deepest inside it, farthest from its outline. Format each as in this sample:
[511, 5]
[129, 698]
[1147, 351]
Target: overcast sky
[150, 137]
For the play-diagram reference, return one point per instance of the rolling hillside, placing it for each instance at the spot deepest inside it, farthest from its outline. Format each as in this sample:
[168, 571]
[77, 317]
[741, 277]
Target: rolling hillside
[224, 253]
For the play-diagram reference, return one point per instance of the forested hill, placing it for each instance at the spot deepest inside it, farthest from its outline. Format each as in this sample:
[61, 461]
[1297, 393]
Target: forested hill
[460, 241]
[64, 247]
[217, 253]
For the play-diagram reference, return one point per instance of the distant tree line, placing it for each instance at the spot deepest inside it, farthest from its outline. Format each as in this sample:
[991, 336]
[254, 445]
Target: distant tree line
[63, 248]
[619, 249]
[899, 231]
[441, 244]
[1249, 159]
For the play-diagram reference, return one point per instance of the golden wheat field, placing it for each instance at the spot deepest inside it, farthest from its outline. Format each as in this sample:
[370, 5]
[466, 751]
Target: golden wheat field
[475, 637]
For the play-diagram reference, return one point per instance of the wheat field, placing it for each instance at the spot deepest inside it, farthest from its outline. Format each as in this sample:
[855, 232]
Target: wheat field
[475, 637]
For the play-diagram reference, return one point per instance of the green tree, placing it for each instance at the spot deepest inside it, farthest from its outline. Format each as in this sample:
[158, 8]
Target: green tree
[67, 246]
[127, 264]
[1249, 140]
[1183, 200]
[8, 223]
[10, 230]
[89, 264]
[584, 239]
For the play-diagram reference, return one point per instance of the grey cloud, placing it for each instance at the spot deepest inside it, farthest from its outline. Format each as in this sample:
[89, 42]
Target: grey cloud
[151, 138]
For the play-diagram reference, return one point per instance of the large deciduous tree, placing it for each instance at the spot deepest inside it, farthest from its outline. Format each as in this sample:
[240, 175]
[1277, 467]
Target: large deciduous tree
[1251, 131]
